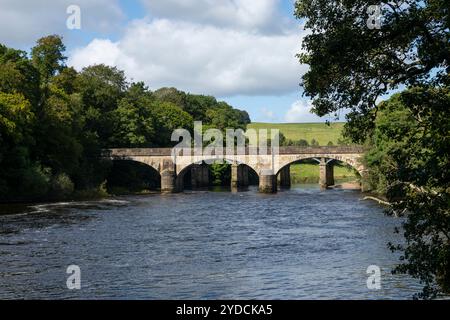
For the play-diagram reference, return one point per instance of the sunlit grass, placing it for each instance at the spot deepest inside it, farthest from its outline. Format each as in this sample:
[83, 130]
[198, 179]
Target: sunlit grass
[320, 132]
[309, 173]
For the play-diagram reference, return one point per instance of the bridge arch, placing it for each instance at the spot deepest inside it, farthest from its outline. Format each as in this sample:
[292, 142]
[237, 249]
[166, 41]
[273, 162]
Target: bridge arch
[326, 167]
[180, 168]
[131, 175]
[240, 171]
[143, 160]
[350, 161]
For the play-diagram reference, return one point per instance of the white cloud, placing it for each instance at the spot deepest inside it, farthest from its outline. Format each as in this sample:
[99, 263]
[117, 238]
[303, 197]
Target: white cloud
[23, 22]
[201, 58]
[269, 115]
[261, 15]
[300, 111]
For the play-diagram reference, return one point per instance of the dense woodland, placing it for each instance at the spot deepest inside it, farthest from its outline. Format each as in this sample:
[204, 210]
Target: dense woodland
[54, 121]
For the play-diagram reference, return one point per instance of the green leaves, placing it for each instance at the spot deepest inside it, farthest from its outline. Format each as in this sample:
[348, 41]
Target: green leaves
[16, 117]
[47, 56]
[408, 161]
[55, 121]
[351, 66]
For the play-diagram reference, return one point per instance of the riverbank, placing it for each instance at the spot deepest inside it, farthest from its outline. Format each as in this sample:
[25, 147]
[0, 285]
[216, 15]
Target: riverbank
[342, 182]
[309, 173]
[351, 185]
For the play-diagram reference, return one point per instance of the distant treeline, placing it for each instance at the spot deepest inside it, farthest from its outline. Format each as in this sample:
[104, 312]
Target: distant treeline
[54, 121]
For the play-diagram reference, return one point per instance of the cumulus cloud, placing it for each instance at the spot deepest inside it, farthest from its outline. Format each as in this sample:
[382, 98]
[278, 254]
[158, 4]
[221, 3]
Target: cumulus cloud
[300, 111]
[261, 15]
[268, 115]
[201, 58]
[23, 22]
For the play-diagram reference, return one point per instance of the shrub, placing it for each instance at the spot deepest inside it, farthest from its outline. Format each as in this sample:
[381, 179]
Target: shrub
[61, 186]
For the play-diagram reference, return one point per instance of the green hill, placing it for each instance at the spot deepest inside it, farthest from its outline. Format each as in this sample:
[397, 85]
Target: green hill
[321, 132]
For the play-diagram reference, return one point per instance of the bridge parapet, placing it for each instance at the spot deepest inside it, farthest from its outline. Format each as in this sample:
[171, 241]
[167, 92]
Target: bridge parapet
[128, 152]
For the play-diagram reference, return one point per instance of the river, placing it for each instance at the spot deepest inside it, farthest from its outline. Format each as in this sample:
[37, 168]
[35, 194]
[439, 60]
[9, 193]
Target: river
[302, 243]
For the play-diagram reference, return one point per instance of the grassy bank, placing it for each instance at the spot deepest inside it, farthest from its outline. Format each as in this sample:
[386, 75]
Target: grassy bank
[309, 173]
[320, 132]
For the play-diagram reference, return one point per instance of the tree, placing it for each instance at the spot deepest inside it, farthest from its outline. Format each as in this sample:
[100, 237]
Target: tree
[101, 88]
[16, 122]
[16, 118]
[47, 56]
[314, 143]
[171, 95]
[169, 117]
[65, 80]
[207, 109]
[58, 141]
[351, 66]
[55, 122]
[408, 160]
[133, 125]
[17, 74]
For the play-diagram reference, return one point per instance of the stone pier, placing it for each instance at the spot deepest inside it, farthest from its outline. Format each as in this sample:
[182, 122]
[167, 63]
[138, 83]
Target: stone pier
[243, 176]
[330, 174]
[284, 177]
[205, 176]
[234, 176]
[326, 173]
[168, 183]
[199, 176]
[239, 176]
[195, 169]
[267, 182]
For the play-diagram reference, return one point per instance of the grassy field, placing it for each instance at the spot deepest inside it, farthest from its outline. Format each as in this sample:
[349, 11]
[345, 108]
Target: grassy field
[321, 132]
[309, 173]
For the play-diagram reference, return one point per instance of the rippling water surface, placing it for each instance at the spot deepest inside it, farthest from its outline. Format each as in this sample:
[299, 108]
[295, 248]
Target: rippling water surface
[298, 244]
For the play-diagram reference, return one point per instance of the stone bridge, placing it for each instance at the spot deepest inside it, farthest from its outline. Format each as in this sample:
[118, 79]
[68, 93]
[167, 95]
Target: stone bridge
[272, 168]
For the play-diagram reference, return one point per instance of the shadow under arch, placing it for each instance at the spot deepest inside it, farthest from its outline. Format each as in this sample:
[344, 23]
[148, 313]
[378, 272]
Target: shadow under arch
[183, 178]
[131, 176]
[325, 175]
[329, 159]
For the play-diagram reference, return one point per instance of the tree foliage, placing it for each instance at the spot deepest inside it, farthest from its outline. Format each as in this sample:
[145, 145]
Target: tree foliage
[54, 121]
[352, 66]
[408, 163]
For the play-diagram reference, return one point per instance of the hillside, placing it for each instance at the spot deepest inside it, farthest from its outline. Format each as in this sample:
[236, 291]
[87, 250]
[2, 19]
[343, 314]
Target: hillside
[321, 132]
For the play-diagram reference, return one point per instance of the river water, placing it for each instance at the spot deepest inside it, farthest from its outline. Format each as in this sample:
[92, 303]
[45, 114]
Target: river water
[298, 244]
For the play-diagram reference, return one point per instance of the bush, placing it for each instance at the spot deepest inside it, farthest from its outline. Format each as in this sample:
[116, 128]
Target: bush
[34, 183]
[61, 186]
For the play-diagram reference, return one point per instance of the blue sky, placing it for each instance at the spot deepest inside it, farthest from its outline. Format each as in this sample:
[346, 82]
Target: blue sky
[241, 51]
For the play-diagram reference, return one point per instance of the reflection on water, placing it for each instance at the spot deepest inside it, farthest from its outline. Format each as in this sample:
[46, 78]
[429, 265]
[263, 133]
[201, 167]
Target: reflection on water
[301, 243]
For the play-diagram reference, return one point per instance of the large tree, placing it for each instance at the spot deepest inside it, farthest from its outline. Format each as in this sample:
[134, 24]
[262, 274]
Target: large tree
[353, 63]
[408, 162]
[48, 56]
